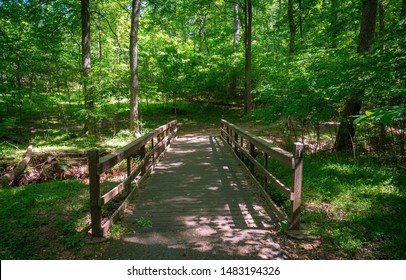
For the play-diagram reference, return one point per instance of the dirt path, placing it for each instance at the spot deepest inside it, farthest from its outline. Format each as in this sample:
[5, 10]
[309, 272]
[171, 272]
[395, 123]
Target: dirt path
[197, 204]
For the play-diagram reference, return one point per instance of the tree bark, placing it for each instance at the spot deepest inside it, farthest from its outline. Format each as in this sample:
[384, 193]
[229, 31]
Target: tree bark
[292, 26]
[86, 65]
[99, 31]
[368, 25]
[8, 178]
[352, 107]
[135, 17]
[232, 90]
[300, 20]
[248, 35]
[333, 22]
[236, 27]
[346, 130]
[381, 13]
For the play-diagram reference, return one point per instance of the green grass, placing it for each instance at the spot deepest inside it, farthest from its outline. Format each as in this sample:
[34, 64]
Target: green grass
[357, 210]
[42, 221]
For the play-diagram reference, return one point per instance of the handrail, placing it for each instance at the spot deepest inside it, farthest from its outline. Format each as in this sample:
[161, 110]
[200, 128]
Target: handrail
[234, 136]
[97, 165]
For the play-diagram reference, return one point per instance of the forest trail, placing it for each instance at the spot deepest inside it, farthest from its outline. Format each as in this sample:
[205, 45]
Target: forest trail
[198, 203]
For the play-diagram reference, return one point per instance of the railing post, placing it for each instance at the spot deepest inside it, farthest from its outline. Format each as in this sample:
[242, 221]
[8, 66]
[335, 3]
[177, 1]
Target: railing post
[228, 135]
[165, 135]
[94, 183]
[152, 149]
[266, 167]
[128, 166]
[170, 129]
[252, 153]
[158, 142]
[221, 127]
[144, 166]
[236, 142]
[296, 195]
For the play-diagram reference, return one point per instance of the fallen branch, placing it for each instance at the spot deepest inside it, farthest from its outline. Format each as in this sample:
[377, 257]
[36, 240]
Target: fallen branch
[8, 178]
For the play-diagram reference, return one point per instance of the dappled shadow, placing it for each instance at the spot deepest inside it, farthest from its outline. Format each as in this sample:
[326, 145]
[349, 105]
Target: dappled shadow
[381, 230]
[201, 206]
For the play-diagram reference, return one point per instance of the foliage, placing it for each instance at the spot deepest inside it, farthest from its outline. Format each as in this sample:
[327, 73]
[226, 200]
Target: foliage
[385, 115]
[356, 209]
[40, 221]
[143, 222]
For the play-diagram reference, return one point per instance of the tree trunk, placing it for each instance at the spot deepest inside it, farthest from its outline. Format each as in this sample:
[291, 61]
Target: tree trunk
[381, 13]
[86, 66]
[248, 34]
[99, 31]
[236, 27]
[333, 22]
[368, 25]
[300, 20]
[346, 130]
[135, 17]
[232, 90]
[292, 26]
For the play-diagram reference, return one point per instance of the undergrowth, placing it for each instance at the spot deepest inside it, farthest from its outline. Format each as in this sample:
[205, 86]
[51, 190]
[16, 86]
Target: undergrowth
[357, 209]
[43, 221]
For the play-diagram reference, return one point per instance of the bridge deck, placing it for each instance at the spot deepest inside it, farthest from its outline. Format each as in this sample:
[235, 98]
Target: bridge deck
[202, 205]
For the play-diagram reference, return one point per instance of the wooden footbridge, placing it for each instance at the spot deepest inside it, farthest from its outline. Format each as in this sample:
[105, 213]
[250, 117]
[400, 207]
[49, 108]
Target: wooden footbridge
[199, 197]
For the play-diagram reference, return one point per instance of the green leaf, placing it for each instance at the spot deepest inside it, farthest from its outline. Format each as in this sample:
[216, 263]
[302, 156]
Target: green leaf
[359, 119]
[387, 118]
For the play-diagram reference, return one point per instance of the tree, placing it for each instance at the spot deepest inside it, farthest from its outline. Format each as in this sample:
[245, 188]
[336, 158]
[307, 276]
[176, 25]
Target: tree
[86, 66]
[233, 83]
[368, 25]
[292, 26]
[135, 17]
[247, 41]
[352, 107]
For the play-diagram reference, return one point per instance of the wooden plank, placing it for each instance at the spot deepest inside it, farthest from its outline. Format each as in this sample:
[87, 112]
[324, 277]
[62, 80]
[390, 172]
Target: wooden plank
[98, 165]
[110, 160]
[116, 215]
[273, 180]
[281, 155]
[276, 210]
[140, 168]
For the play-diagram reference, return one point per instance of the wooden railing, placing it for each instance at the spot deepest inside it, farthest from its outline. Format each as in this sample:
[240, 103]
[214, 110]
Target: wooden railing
[236, 138]
[149, 148]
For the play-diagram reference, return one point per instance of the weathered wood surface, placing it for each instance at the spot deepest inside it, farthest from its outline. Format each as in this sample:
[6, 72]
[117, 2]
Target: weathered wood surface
[231, 133]
[201, 204]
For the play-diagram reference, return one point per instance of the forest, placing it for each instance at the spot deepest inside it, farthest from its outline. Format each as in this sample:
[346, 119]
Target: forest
[100, 73]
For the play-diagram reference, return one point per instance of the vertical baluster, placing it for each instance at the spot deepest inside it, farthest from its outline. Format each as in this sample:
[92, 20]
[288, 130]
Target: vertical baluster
[296, 195]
